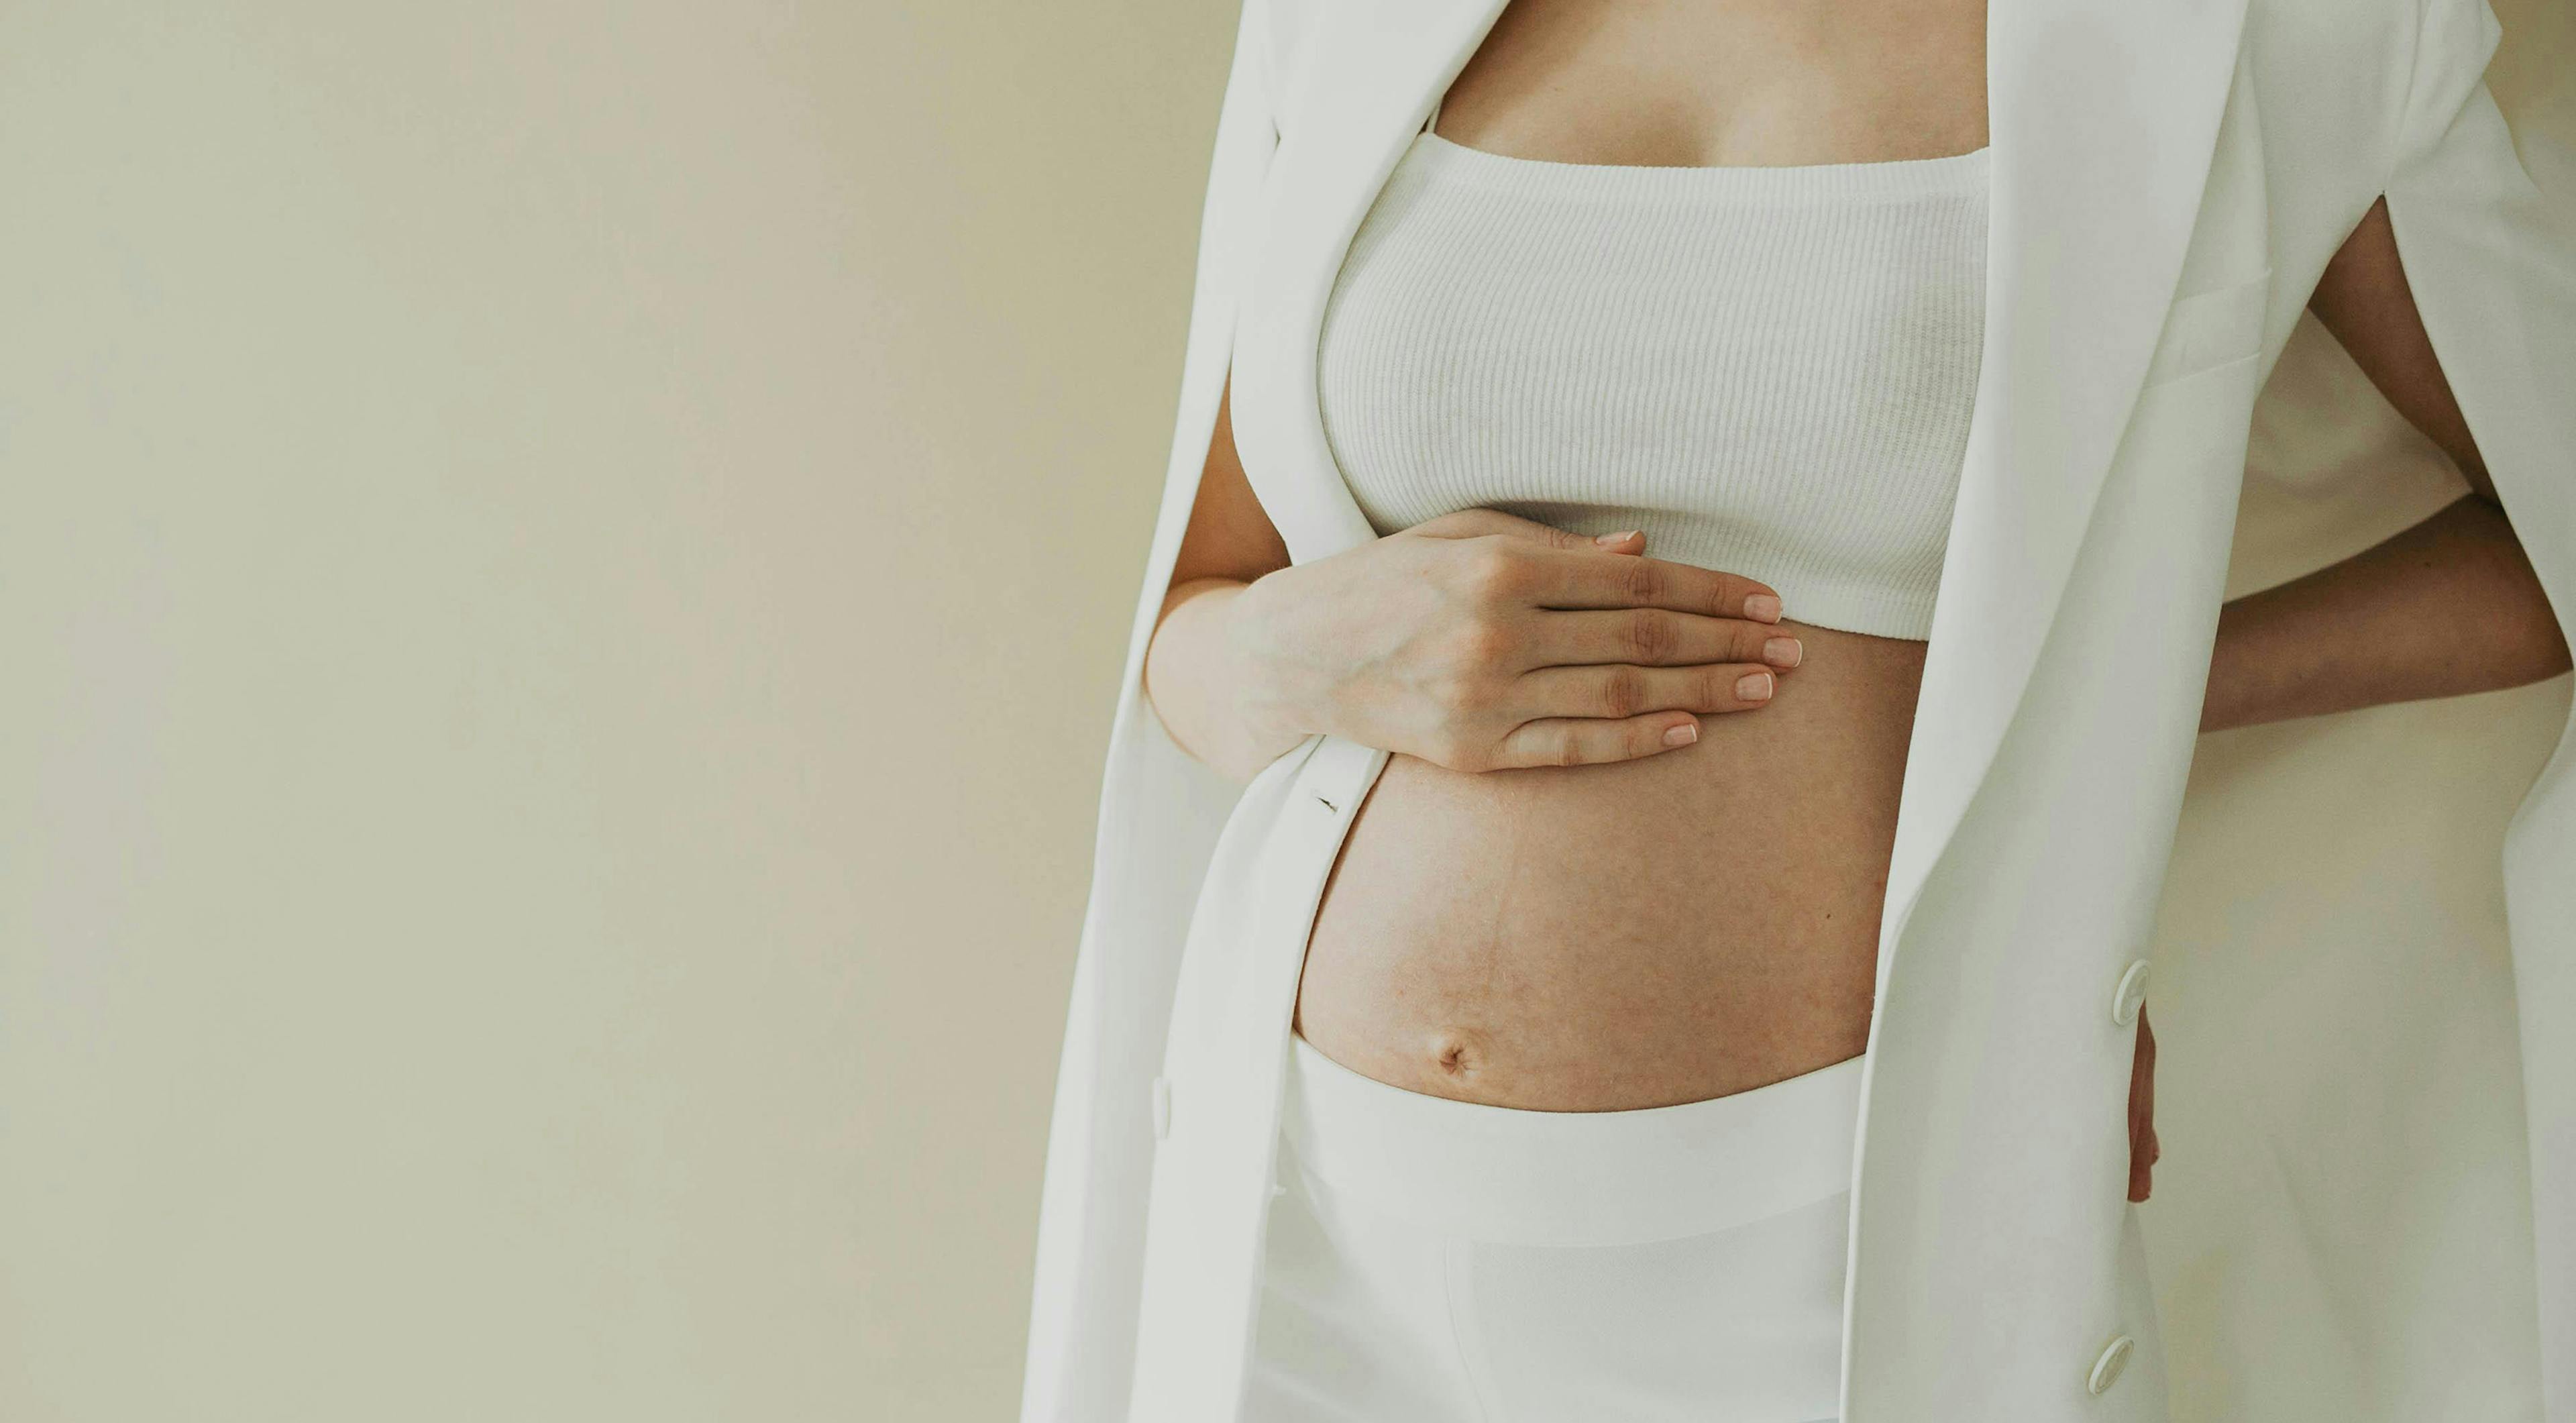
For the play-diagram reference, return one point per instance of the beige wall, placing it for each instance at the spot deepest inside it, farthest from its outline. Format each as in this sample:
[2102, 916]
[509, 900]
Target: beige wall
[561, 575]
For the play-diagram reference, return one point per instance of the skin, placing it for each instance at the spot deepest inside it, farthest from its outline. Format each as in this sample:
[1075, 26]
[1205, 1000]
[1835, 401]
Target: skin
[1603, 870]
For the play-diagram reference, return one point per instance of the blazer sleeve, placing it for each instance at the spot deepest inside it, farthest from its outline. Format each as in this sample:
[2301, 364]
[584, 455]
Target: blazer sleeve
[2491, 259]
[1160, 815]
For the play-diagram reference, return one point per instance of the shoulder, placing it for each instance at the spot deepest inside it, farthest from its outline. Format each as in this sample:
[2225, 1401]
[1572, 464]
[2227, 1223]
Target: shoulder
[2368, 39]
[1288, 27]
[2361, 80]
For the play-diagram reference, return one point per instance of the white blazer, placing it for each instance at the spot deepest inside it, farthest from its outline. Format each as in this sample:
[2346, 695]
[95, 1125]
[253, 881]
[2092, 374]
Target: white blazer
[2169, 181]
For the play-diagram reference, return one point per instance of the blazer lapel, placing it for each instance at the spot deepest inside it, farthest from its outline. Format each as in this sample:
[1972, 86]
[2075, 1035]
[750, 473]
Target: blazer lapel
[1373, 68]
[2102, 114]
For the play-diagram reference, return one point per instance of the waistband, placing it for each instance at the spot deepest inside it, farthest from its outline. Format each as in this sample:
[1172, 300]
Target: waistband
[1514, 1176]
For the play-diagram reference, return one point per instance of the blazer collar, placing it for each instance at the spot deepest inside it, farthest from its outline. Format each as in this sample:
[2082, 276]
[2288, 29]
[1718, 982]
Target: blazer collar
[2102, 116]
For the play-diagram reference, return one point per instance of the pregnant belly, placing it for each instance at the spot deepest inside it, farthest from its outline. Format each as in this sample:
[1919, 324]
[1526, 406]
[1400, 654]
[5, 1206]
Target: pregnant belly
[1599, 938]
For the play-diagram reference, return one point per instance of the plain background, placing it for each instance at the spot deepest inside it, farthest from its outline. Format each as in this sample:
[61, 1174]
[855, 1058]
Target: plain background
[561, 578]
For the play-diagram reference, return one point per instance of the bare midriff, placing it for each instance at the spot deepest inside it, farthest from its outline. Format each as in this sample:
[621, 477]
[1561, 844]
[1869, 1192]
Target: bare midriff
[1702, 921]
[1595, 938]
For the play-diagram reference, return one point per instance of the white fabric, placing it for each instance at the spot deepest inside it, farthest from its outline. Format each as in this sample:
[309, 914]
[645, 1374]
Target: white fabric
[1434, 1261]
[1768, 370]
[2168, 181]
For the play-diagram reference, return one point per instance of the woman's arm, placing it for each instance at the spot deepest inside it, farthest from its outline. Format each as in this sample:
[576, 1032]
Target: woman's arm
[2445, 608]
[1194, 679]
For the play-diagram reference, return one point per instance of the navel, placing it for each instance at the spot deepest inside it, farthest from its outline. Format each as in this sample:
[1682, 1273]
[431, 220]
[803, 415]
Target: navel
[1457, 1054]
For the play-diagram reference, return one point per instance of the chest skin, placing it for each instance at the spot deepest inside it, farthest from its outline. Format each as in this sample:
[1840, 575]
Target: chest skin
[1741, 82]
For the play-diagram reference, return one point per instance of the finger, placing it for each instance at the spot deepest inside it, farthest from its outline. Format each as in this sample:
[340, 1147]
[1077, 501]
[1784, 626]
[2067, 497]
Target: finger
[2142, 1075]
[1577, 578]
[2144, 1149]
[1618, 690]
[1657, 637]
[1586, 741]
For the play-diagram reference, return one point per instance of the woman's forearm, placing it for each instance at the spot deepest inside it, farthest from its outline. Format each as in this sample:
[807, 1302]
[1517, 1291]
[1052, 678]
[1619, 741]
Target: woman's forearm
[1203, 687]
[2443, 609]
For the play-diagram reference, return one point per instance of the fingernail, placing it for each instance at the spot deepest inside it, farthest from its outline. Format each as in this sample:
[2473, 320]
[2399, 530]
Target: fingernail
[1762, 608]
[1682, 735]
[1754, 686]
[1783, 651]
[1605, 540]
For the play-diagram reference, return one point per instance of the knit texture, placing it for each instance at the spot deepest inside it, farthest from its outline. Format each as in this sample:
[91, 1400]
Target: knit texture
[1768, 370]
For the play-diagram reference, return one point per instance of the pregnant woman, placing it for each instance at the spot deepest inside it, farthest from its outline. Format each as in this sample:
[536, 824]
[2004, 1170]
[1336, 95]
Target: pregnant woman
[1653, 365]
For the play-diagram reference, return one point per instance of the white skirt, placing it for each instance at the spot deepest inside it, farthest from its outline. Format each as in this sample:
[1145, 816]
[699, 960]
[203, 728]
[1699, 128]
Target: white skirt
[1437, 1261]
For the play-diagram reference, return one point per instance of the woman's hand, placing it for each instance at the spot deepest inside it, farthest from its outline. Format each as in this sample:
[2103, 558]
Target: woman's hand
[1480, 641]
[2142, 1110]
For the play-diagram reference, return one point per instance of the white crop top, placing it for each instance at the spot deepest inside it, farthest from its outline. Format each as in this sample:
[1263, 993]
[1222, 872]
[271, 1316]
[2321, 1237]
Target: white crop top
[1767, 370]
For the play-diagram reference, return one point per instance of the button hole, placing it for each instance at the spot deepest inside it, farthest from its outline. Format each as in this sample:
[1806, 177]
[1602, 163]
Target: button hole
[1328, 805]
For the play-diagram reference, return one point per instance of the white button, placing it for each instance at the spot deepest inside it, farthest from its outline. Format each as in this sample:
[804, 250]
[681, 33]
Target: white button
[2106, 1369]
[1162, 1108]
[2131, 993]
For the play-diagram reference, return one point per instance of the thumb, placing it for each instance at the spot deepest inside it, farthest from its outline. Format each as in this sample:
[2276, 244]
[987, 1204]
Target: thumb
[1477, 523]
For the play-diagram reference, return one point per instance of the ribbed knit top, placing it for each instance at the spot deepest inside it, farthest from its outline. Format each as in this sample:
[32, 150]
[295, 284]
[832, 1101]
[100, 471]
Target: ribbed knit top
[1768, 370]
